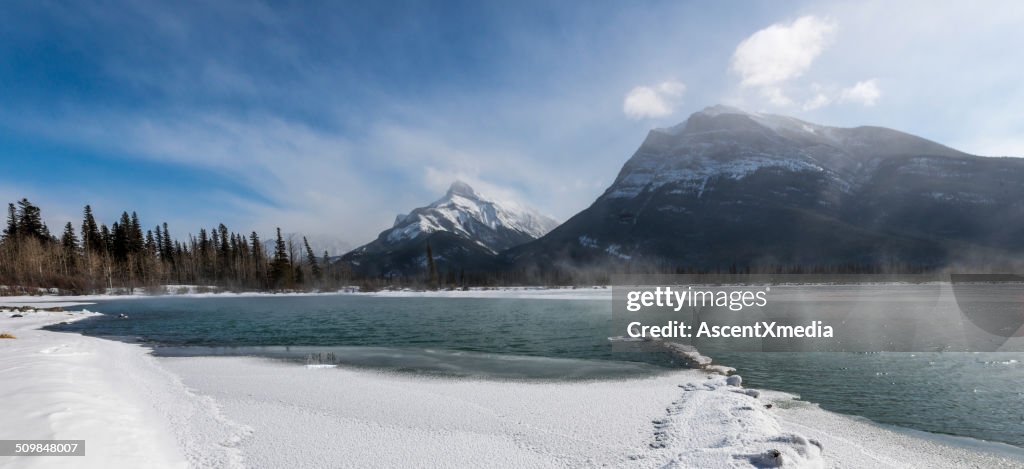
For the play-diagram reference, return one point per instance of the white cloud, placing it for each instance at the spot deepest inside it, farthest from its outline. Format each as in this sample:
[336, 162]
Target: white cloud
[653, 101]
[781, 52]
[772, 57]
[771, 60]
[864, 92]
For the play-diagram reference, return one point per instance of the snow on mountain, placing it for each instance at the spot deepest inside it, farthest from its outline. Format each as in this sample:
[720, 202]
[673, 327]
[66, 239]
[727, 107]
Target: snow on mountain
[722, 142]
[462, 211]
[495, 225]
[464, 230]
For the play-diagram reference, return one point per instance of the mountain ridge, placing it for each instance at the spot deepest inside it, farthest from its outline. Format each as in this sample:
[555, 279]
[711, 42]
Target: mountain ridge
[728, 187]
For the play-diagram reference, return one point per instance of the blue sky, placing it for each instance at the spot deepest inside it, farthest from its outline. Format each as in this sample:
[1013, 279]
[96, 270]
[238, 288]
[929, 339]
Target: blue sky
[330, 117]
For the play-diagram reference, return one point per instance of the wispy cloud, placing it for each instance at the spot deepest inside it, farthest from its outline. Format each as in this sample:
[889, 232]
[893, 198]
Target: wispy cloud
[653, 101]
[865, 93]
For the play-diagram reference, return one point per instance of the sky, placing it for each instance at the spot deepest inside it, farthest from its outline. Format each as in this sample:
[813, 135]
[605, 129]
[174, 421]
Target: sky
[329, 118]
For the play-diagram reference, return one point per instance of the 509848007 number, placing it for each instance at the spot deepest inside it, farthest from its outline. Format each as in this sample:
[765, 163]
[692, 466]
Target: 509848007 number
[42, 447]
[45, 448]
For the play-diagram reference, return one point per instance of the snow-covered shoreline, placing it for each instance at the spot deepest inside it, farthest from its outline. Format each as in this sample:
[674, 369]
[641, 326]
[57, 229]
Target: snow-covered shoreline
[553, 293]
[130, 411]
[137, 410]
[682, 419]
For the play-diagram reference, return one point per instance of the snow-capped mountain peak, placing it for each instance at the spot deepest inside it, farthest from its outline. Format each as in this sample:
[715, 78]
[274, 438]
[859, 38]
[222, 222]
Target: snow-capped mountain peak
[462, 211]
[464, 229]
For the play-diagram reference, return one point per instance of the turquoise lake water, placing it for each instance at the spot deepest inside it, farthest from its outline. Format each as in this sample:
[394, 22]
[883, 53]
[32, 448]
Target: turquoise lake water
[978, 395]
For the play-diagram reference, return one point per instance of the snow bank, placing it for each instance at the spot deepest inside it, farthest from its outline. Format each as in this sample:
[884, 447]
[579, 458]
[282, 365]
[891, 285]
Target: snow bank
[347, 417]
[717, 424]
[113, 395]
[359, 418]
[582, 293]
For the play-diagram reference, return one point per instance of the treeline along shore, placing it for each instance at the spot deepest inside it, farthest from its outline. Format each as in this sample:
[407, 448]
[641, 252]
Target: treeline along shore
[123, 256]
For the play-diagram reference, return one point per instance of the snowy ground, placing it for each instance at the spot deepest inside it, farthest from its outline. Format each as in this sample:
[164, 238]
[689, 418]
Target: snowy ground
[130, 411]
[135, 410]
[336, 417]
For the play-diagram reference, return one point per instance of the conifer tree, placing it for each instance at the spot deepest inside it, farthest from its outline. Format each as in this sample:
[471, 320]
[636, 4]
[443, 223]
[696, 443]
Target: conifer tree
[281, 268]
[159, 243]
[68, 240]
[314, 266]
[121, 242]
[212, 250]
[106, 239]
[259, 259]
[204, 242]
[11, 232]
[223, 251]
[167, 250]
[91, 240]
[257, 247]
[30, 222]
[69, 246]
[136, 241]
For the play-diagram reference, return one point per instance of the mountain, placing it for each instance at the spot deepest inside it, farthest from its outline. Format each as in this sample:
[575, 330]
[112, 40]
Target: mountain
[728, 187]
[464, 229]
